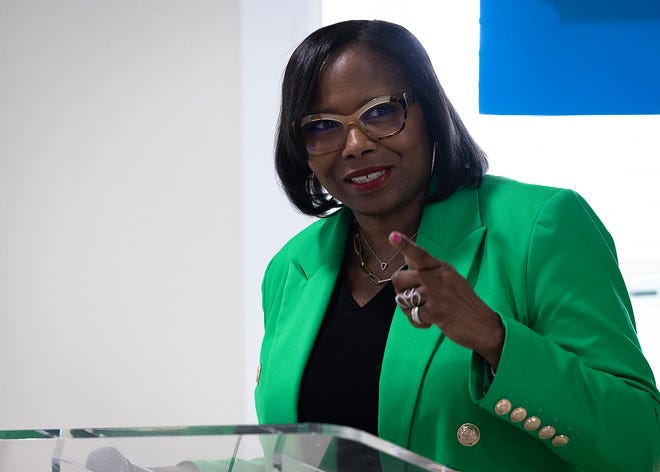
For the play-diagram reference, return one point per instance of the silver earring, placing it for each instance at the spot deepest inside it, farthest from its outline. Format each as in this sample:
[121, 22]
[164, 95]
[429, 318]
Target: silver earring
[433, 157]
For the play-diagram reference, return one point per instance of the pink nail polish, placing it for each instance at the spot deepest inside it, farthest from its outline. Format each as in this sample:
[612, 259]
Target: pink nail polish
[396, 237]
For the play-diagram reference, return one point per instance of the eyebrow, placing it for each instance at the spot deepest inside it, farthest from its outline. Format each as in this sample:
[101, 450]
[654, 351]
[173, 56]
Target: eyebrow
[362, 103]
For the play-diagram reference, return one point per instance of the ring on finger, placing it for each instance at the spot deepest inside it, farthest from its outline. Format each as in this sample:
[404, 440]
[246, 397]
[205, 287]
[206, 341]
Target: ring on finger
[414, 314]
[408, 299]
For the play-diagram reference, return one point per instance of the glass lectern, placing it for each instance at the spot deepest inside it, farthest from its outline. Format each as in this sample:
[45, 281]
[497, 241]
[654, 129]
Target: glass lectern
[244, 448]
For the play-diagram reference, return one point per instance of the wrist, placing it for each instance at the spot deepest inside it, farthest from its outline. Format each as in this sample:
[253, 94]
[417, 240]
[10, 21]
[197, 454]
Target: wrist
[492, 350]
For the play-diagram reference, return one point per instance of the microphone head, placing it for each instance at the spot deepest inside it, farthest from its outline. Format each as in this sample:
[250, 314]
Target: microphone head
[107, 459]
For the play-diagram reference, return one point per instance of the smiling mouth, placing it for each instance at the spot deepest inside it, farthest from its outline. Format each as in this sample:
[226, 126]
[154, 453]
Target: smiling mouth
[370, 177]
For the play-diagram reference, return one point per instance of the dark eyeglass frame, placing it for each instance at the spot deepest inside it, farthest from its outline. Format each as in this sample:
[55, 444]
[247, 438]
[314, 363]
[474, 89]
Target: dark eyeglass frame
[405, 99]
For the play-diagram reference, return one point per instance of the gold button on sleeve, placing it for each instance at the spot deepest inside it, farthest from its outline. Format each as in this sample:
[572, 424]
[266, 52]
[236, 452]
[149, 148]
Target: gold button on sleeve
[518, 415]
[468, 434]
[532, 423]
[503, 407]
[546, 432]
[560, 440]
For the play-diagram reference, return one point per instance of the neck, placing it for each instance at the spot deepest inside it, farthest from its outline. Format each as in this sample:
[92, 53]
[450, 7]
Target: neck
[377, 230]
[375, 256]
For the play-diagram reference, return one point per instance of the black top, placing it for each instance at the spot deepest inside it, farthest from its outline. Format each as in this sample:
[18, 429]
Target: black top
[340, 382]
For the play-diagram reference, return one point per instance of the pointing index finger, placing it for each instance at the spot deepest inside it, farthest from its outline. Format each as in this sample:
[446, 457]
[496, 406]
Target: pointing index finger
[416, 257]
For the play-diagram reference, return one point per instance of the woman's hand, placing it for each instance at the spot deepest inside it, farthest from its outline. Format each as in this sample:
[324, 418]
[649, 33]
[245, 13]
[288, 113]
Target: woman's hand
[448, 301]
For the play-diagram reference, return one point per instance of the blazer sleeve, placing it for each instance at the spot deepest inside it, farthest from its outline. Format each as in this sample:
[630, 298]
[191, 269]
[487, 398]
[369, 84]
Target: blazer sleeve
[572, 366]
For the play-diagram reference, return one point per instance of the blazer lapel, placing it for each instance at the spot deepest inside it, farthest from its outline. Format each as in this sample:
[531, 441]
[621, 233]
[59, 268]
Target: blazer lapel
[451, 230]
[309, 285]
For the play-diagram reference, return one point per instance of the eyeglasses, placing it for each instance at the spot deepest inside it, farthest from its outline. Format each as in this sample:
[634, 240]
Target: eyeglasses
[379, 118]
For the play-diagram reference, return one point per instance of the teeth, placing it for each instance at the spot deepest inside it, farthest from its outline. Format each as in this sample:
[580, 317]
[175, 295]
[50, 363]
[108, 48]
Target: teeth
[363, 179]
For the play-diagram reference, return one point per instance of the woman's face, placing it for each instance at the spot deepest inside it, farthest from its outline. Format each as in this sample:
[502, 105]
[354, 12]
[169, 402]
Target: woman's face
[379, 178]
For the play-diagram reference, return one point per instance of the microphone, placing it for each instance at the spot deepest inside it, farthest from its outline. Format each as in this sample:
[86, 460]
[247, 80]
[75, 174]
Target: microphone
[109, 459]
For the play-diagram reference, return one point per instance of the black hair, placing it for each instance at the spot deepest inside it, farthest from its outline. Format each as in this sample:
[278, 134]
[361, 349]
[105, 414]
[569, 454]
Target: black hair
[459, 162]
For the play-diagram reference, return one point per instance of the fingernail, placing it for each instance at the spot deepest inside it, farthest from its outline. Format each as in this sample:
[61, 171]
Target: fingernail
[395, 237]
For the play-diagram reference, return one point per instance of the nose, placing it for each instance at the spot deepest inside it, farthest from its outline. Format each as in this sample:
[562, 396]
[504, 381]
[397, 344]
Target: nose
[357, 143]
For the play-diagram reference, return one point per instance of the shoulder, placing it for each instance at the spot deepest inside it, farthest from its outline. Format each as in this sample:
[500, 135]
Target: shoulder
[312, 237]
[500, 190]
[527, 209]
[323, 238]
[301, 240]
[507, 199]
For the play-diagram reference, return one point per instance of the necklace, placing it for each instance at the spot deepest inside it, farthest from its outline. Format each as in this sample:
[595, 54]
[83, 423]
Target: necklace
[383, 264]
[357, 247]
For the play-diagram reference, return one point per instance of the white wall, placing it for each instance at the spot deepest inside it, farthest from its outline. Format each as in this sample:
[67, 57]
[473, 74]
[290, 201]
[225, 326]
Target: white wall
[121, 236]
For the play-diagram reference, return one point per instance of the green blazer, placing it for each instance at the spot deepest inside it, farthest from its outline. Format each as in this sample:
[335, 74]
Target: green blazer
[573, 391]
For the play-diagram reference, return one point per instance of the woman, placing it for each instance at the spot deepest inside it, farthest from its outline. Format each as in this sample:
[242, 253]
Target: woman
[475, 320]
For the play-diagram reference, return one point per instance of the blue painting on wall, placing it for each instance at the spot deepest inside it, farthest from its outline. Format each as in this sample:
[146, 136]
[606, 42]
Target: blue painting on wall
[569, 57]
